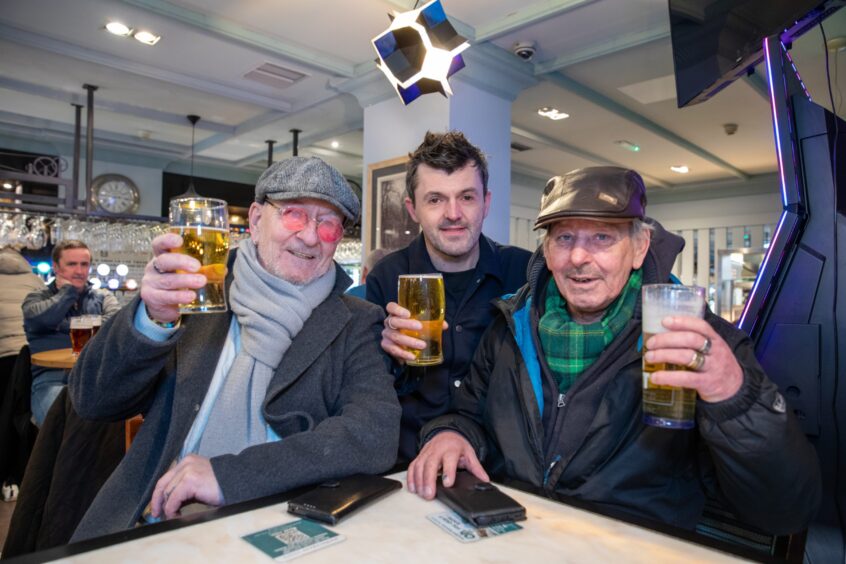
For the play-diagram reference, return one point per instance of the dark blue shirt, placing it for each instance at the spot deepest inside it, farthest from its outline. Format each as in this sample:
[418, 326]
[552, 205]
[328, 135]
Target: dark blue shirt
[425, 392]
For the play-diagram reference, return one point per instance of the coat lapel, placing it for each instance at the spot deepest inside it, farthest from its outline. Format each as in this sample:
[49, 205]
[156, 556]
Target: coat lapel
[325, 323]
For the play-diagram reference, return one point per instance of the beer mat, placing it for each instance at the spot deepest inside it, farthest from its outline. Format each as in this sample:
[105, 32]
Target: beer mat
[285, 542]
[465, 531]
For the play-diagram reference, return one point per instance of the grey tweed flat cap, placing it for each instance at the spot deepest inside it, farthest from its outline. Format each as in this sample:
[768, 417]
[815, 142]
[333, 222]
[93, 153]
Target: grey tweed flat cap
[308, 177]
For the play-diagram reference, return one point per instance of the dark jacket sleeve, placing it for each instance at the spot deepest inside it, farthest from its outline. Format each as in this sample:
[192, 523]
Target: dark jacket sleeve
[117, 373]
[468, 403]
[766, 469]
[45, 312]
[360, 436]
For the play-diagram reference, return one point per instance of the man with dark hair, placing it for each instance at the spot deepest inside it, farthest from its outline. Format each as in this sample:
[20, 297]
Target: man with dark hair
[47, 314]
[287, 388]
[553, 397]
[447, 185]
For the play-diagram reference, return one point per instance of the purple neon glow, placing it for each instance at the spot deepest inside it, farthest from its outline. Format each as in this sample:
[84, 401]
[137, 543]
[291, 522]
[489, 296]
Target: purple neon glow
[775, 237]
[775, 123]
[798, 76]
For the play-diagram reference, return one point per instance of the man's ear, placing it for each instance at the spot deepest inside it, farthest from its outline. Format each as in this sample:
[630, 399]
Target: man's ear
[641, 247]
[254, 215]
[409, 206]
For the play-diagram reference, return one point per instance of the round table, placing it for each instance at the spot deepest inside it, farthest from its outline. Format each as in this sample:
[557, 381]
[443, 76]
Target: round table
[57, 358]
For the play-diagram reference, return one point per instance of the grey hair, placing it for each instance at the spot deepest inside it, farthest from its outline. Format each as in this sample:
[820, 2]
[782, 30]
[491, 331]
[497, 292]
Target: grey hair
[375, 256]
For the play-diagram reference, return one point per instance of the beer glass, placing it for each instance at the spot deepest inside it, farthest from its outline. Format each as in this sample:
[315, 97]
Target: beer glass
[423, 296]
[96, 323]
[668, 406]
[80, 332]
[203, 224]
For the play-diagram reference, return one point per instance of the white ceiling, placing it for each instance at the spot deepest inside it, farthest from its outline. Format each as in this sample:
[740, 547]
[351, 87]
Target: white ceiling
[607, 63]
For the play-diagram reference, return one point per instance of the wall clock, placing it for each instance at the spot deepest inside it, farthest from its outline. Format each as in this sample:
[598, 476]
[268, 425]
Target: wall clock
[115, 193]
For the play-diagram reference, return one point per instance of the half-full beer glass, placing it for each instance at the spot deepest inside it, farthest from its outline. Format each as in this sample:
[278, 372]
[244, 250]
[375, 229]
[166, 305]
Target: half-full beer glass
[423, 296]
[81, 328]
[203, 224]
[668, 406]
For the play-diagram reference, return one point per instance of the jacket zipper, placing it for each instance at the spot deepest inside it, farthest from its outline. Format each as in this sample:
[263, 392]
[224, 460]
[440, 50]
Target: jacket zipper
[546, 474]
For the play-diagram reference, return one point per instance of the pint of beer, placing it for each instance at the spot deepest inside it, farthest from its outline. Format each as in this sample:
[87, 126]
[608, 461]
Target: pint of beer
[668, 406]
[203, 224]
[81, 328]
[423, 295]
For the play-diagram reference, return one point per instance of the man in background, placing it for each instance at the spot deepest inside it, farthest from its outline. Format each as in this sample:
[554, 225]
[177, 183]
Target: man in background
[17, 281]
[47, 314]
[447, 194]
[373, 257]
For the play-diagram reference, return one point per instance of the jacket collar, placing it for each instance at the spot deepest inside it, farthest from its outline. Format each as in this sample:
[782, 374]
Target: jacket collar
[489, 262]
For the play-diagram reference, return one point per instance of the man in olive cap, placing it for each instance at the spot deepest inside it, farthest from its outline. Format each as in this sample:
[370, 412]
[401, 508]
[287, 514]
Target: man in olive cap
[287, 388]
[554, 393]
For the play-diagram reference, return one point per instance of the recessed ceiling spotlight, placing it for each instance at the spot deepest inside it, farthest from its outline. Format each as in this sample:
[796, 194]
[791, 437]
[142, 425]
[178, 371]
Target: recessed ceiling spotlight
[335, 144]
[552, 113]
[147, 38]
[117, 28]
[627, 145]
[8, 185]
[681, 169]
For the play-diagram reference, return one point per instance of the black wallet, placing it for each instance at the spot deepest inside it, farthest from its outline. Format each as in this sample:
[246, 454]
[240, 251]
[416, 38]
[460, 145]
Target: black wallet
[480, 502]
[332, 501]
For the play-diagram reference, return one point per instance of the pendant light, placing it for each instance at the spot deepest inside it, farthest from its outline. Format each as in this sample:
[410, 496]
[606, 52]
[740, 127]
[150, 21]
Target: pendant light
[191, 192]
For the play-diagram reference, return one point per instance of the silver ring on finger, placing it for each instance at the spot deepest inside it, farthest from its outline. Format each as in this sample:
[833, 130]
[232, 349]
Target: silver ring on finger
[697, 362]
[388, 323]
[156, 267]
[706, 346]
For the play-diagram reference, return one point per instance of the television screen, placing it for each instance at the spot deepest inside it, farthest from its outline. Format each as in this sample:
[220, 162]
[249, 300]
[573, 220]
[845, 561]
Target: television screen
[716, 41]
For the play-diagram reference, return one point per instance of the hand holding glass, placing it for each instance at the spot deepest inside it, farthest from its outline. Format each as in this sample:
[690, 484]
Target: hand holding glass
[203, 224]
[423, 295]
[669, 407]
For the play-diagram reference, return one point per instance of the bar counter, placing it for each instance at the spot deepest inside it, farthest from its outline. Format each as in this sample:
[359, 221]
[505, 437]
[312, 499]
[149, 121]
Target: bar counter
[396, 529]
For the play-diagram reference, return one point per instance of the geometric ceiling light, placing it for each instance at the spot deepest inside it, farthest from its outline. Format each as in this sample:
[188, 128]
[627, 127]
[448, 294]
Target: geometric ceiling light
[419, 51]
[117, 28]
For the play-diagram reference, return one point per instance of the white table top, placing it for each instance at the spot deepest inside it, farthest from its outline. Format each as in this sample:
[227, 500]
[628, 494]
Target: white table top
[396, 529]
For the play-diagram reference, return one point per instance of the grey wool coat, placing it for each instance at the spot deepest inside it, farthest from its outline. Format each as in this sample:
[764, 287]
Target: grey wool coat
[331, 400]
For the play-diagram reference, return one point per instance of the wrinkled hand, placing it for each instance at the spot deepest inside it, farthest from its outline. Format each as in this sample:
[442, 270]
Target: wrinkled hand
[719, 377]
[446, 452]
[162, 291]
[191, 480]
[394, 341]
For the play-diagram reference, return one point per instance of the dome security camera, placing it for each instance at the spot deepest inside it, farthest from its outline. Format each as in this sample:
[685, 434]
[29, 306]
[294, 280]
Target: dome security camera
[524, 49]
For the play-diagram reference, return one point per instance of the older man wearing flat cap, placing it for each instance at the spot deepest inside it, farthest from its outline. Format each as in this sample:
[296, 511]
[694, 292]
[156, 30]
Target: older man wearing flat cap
[554, 393]
[289, 387]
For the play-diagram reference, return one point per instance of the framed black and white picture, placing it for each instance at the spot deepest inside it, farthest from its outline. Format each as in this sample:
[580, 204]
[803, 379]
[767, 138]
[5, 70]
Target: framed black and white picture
[388, 224]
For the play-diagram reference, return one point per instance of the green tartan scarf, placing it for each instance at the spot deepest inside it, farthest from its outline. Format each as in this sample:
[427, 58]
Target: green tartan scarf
[570, 347]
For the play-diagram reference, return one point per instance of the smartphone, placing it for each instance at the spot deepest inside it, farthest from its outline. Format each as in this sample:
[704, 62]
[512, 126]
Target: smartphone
[480, 503]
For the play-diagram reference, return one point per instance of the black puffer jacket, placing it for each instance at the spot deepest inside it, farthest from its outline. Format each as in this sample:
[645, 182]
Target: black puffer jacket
[747, 450]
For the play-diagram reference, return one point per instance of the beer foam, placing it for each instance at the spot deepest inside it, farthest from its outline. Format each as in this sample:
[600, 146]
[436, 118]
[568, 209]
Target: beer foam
[670, 303]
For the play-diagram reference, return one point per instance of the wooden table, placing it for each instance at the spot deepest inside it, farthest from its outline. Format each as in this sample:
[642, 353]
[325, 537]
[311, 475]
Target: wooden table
[57, 358]
[396, 529]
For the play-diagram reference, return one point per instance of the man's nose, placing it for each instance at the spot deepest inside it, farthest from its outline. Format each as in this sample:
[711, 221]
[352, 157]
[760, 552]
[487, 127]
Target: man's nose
[308, 234]
[580, 255]
[453, 210]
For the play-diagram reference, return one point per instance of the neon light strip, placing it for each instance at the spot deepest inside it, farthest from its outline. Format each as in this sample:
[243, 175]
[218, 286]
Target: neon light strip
[775, 238]
[775, 124]
[798, 76]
